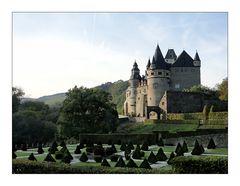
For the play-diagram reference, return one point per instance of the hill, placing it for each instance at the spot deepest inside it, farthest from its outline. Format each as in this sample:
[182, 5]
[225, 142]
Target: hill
[116, 89]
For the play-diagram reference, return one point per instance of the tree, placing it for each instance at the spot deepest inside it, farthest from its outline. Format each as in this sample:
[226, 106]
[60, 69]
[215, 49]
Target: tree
[131, 164]
[223, 90]
[84, 157]
[145, 164]
[161, 156]
[17, 94]
[105, 163]
[198, 149]
[211, 144]
[152, 158]
[185, 147]
[120, 163]
[32, 157]
[87, 110]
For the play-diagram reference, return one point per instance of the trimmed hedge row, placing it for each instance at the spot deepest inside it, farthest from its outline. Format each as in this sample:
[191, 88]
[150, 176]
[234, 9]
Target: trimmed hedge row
[33, 167]
[200, 165]
[218, 115]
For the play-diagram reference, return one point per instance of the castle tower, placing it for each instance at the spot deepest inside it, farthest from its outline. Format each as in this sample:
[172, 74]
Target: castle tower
[158, 75]
[197, 61]
[131, 93]
[170, 56]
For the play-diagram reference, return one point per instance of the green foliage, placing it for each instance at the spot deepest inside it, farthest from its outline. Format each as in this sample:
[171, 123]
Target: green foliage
[99, 150]
[184, 147]
[144, 146]
[62, 144]
[172, 156]
[17, 94]
[185, 116]
[120, 163]
[105, 163]
[211, 144]
[83, 157]
[24, 147]
[198, 149]
[136, 154]
[160, 142]
[223, 90]
[200, 165]
[130, 145]
[66, 159]
[40, 149]
[131, 164]
[114, 158]
[98, 158]
[114, 148]
[81, 146]
[14, 156]
[32, 157]
[179, 150]
[87, 110]
[145, 164]
[119, 142]
[152, 158]
[161, 156]
[59, 155]
[77, 151]
[53, 148]
[49, 158]
[123, 147]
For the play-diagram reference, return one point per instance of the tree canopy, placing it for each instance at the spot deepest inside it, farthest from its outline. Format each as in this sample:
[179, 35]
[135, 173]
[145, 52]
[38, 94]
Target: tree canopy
[223, 90]
[87, 110]
[17, 94]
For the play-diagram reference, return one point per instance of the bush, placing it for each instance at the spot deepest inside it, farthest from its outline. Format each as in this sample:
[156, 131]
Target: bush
[160, 142]
[58, 155]
[62, 144]
[200, 165]
[179, 150]
[172, 155]
[114, 158]
[145, 165]
[197, 150]
[98, 158]
[120, 163]
[152, 158]
[130, 145]
[114, 148]
[66, 159]
[84, 157]
[202, 149]
[185, 147]
[131, 164]
[53, 148]
[161, 156]
[49, 158]
[211, 144]
[99, 150]
[40, 149]
[14, 156]
[123, 147]
[127, 154]
[105, 163]
[24, 147]
[144, 146]
[77, 150]
[32, 157]
[109, 151]
[136, 154]
[81, 145]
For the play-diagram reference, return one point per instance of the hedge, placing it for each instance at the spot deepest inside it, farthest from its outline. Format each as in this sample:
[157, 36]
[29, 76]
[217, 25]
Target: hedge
[200, 165]
[33, 167]
[218, 115]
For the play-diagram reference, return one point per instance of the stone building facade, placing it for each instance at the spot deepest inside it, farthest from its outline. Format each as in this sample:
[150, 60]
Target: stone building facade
[172, 73]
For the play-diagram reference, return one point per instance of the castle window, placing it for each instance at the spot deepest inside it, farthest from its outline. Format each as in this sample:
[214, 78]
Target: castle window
[166, 74]
[162, 103]
[159, 73]
[152, 73]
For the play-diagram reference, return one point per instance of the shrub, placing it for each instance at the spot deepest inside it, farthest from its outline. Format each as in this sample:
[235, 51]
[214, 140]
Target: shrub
[58, 155]
[172, 155]
[49, 158]
[89, 149]
[81, 145]
[202, 149]
[200, 165]
[109, 151]
[136, 154]
[40, 149]
[123, 147]
[185, 147]
[62, 144]
[114, 148]
[197, 150]
[77, 150]
[130, 145]
[24, 147]
[114, 158]
[119, 142]
[98, 158]
[161, 156]
[211, 144]
[152, 158]
[145, 165]
[84, 157]
[14, 156]
[66, 159]
[144, 146]
[105, 163]
[99, 150]
[53, 148]
[142, 153]
[120, 163]
[32, 157]
[160, 142]
[63, 149]
[179, 150]
[138, 147]
[131, 164]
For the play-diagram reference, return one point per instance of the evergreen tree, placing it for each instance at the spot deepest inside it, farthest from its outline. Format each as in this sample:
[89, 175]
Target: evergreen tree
[144, 146]
[77, 150]
[84, 157]
[105, 163]
[59, 155]
[127, 154]
[120, 163]
[32, 157]
[123, 147]
[152, 158]
[66, 159]
[172, 155]
[179, 150]
[131, 164]
[185, 147]
[130, 145]
[40, 149]
[211, 144]
[114, 148]
[160, 142]
[145, 165]
[81, 145]
[161, 156]
[114, 158]
[98, 158]
[53, 148]
[49, 158]
[136, 154]
[202, 149]
[197, 150]
[62, 144]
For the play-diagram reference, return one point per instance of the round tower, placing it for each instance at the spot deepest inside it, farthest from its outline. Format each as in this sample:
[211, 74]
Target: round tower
[158, 77]
[131, 93]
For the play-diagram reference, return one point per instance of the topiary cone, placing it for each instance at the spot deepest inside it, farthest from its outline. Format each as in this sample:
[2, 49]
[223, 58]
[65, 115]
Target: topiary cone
[131, 164]
[66, 159]
[77, 150]
[161, 156]
[84, 157]
[136, 154]
[179, 150]
[172, 155]
[152, 158]
[49, 158]
[197, 150]
[32, 157]
[144, 146]
[160, 142]
[184, 147]
[120, 163]
[123, 147]
[105, 163]
[145, 165]
[211, 144]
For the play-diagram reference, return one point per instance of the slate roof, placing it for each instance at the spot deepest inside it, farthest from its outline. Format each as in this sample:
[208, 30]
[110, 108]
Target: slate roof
[159, 60]
[171, 54]
[183, 60]
[197, 58]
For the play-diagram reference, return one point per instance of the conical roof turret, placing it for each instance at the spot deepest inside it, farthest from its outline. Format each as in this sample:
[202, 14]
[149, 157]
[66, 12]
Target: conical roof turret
[159, 59]
[197, 58]
[135, 71]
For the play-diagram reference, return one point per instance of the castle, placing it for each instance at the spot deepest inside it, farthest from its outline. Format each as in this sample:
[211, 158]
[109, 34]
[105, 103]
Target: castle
[146, 94]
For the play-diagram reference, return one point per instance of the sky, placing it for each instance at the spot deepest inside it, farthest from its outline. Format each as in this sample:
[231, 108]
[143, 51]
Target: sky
[53, 52]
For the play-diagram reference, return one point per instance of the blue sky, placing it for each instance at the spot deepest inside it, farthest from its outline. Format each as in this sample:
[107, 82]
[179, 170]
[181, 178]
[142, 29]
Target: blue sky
[52, 52]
